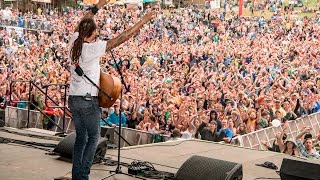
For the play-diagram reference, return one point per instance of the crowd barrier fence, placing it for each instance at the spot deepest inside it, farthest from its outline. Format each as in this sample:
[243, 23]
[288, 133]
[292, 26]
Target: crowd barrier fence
[254, 140]
[28, 24]
[18, 117]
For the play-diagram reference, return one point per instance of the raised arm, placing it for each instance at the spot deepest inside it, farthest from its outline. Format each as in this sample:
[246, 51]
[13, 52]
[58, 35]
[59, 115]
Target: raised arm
[126, 35]
[303, 131]
[280, 142]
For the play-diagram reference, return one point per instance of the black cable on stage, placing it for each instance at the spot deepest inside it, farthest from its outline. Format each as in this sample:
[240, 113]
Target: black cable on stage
[147, 170]
[42, 146]
[143, 169]
[110, 162]
[31, 135]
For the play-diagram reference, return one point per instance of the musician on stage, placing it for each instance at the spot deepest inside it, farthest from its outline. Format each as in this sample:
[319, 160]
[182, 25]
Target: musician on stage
[85, 51]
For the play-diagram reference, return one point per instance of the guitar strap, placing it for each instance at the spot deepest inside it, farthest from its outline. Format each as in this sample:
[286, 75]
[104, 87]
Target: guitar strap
[78, 70]
[80, 73]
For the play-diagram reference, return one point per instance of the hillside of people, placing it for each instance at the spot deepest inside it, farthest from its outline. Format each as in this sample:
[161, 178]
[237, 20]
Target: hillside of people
[191, 72]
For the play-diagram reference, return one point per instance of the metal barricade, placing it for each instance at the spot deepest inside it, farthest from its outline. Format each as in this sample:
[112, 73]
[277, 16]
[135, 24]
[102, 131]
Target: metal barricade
[18, 118]
[31, 85]
[133, 136]
[253, 140]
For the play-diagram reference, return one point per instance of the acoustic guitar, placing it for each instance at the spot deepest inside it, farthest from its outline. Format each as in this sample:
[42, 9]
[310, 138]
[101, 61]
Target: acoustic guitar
[110, 85]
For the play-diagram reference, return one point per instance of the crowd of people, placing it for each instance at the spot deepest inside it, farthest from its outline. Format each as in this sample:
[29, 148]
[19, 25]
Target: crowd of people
[196, 72]
[302, 145]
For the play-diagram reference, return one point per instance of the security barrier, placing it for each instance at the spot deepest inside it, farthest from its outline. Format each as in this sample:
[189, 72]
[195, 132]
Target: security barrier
[17, 118]
[132, 136]
[253, 140]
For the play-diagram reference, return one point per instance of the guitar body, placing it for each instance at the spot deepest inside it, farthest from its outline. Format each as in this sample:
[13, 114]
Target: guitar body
[110, 85]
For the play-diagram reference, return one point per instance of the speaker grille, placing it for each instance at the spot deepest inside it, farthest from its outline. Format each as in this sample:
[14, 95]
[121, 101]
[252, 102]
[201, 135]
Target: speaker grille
[203, 168]
[299, 170]
[65, 147]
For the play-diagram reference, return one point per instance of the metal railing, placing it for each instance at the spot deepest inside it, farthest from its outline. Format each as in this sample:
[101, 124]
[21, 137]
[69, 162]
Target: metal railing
[132, 136]
[25, 118]
[57, 106]
[17, 118]
[253, 140]
[45, 93]
[28, 24]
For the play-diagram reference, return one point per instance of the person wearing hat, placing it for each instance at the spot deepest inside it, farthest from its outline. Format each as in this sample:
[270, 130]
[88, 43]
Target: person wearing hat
[275, 145]
[287, 147]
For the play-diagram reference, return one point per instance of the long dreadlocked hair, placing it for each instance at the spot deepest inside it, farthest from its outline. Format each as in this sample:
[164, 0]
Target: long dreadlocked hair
[85, 28]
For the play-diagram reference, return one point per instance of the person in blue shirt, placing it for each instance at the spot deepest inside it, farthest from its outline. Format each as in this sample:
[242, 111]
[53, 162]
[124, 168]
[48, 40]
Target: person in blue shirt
[316, 107]
[20, 21]
[114, 118]
[228, 133]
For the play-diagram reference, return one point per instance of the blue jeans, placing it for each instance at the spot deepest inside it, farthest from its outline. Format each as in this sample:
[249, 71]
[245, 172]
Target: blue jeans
[86, 116]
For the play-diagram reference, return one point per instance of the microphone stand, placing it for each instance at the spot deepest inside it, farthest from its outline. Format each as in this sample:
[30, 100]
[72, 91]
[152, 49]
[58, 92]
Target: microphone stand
[118, 169]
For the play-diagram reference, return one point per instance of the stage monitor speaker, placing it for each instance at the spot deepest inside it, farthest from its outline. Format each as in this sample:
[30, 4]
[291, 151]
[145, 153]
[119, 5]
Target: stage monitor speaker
[203, 168]
[299, 170]
[65, 148]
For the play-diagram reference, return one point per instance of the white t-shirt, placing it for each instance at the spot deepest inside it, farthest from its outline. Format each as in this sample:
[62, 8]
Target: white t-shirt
[186, 134]
[6, 14]
[89, 62]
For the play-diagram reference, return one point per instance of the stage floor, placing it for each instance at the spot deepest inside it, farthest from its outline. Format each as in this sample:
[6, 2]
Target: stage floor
[19, 162]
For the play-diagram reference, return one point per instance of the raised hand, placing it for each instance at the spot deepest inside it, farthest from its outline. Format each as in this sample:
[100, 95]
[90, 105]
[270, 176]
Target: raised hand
[308, 129]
